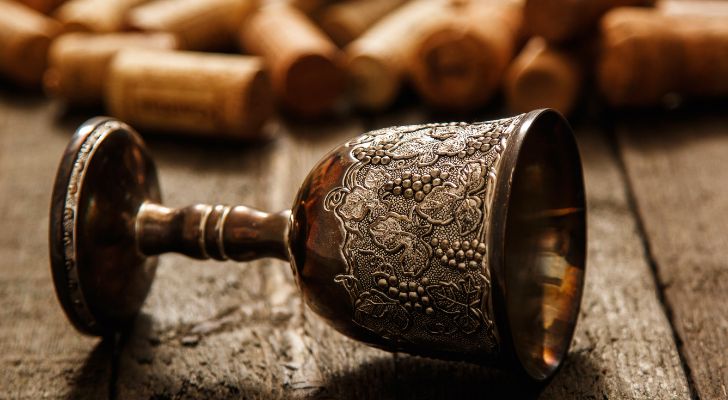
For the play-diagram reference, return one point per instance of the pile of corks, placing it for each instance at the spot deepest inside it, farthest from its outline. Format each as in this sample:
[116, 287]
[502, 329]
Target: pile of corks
[220, 67]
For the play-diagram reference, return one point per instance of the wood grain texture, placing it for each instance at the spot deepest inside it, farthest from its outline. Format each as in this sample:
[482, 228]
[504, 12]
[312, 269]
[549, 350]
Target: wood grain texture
[240, 330]
[41, 355]
[623, 347]
[678, 170]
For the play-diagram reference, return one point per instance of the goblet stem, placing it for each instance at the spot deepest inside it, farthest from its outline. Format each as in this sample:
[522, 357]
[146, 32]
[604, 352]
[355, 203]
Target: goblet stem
[205, 231]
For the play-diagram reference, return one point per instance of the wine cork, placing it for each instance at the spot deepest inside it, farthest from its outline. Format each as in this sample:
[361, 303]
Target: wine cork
[221, 95]
[78, 62]
[376, 61]
[560, 21]
[459, 59]
[543, 76]
[713, 8]
[647, 55]
[198, 25]
[25, 35]
[347, 20]
[43, 6]
[307, 6]
[94, 15]
[304, 63]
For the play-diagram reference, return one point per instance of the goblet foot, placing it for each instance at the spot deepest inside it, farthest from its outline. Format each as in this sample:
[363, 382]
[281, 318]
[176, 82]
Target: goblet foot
[101, 277]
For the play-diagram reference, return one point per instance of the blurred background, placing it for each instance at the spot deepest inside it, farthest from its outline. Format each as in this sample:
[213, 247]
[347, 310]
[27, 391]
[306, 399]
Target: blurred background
[223, 68]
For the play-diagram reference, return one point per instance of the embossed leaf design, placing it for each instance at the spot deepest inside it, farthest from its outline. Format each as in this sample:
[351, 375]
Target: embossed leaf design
[415, 257]
[384, 135]
[448, 297]
[427, 156]
[374, 304]
[452, 140]
[377, 305]
[391, 233]
[420, 226]
[388, 233]
[471, 286]
[451, 146]
[468, 215]
[408, 149]
[472, 177]
[442, 132]
[437, 207]
[374, 178]
[461, 299]
[370, 261]
[357, 203]
[399, 317]
[470, 321]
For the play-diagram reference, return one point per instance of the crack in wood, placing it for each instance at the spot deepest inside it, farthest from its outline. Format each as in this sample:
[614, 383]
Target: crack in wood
[608, 123]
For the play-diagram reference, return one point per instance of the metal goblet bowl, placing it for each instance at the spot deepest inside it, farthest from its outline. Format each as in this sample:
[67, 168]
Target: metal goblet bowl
[456, 241]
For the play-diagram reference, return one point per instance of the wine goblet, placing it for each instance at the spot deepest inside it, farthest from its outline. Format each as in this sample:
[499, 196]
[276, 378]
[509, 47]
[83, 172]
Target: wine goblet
[463, 241]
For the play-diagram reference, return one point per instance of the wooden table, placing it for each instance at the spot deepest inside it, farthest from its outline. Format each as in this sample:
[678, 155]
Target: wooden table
[653, 323]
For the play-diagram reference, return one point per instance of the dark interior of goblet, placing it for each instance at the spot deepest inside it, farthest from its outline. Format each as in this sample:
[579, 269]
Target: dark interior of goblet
[545, 246]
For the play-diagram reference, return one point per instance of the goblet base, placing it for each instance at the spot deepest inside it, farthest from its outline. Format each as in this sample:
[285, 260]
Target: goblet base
[101, 276]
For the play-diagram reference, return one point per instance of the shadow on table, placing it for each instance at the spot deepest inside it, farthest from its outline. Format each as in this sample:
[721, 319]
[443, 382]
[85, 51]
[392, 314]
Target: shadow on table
[95, 378]
[149, 366]
[423, 378]
[405, 377]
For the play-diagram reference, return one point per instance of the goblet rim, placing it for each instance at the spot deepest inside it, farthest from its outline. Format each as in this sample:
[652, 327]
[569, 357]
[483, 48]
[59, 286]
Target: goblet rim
[496, 233]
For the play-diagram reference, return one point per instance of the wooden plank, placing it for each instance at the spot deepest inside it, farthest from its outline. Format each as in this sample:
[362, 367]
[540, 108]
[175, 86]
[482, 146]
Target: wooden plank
[41, 355]
[623, 346]
[678, 169]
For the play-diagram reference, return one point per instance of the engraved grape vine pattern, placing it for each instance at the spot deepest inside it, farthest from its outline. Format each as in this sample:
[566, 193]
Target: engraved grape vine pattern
[413, 207]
